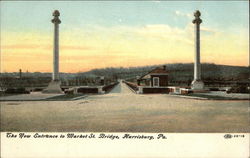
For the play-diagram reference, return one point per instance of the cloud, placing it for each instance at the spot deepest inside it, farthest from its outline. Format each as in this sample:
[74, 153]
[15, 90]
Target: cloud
[166, 33]
[71, 47]
[208, 30]
[156, 1]
[122, 45]
[20, 46]
[44, 47]
[179, 13]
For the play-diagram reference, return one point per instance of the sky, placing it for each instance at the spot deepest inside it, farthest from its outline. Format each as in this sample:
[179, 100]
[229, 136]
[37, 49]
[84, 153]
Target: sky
[99, 34]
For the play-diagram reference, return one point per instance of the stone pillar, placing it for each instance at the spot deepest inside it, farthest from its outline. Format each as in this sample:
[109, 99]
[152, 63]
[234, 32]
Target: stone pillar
[197, 83]
[56, 21]
[102, 81]
[140, 90]
[54, 86]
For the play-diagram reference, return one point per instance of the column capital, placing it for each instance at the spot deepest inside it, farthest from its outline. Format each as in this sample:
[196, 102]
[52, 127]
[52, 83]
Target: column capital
[197, 19]
[56, 19]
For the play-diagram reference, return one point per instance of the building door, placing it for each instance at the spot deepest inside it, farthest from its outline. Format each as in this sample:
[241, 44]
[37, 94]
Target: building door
[155, 81]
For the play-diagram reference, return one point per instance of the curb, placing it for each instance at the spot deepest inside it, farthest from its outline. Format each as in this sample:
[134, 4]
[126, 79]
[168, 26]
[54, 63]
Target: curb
[78, 98]
[189, 97]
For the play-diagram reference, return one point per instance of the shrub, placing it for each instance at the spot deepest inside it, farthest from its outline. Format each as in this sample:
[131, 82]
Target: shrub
[239, 89]
[17, 91]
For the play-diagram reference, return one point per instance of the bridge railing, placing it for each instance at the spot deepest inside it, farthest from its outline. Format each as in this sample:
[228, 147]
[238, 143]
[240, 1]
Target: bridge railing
[108, 88]
[134, 87]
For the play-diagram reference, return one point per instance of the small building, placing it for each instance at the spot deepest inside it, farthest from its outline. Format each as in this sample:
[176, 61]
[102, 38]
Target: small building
[158, 77]
[155, 81]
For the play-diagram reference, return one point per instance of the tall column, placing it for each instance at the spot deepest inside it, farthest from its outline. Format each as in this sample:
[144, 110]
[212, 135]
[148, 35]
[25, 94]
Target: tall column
[197, 82]
[54, 85]
[56, 21]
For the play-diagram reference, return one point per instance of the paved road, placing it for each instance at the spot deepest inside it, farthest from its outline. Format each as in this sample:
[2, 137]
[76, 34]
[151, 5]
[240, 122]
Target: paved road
[124, 111]
[121, 88]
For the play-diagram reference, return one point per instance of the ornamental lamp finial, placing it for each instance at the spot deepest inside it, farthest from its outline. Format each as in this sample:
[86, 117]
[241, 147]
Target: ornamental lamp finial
[56, 19]
[197, 13]
[197, 19]
[56, 13]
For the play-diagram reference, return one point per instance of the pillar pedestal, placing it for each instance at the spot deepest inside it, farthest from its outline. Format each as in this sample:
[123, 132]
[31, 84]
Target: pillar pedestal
[197, 85]
[53, 87]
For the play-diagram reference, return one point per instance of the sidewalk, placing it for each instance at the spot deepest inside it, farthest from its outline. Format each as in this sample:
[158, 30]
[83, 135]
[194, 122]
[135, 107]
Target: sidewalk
[33, 96]
[215, 95]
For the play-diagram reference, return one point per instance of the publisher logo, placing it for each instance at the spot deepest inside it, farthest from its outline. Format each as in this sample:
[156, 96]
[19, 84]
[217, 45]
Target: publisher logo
[228, 136]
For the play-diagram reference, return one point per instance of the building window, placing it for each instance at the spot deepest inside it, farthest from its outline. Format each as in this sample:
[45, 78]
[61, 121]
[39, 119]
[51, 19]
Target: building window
[155, 81]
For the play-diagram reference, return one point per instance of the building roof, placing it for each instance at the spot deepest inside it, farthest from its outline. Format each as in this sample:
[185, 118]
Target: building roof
[158, 70]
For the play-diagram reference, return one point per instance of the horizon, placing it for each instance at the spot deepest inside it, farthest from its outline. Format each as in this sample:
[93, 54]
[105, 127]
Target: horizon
[96, 35]
[124, 68]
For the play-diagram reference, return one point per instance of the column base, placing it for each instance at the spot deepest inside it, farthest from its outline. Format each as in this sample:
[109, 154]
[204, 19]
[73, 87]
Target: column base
[53, 87]
[197, 85]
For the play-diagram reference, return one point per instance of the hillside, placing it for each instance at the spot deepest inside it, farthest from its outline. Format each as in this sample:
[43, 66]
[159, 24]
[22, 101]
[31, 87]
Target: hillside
[177, 72]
